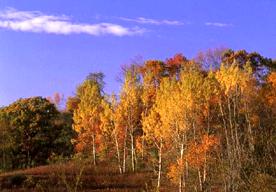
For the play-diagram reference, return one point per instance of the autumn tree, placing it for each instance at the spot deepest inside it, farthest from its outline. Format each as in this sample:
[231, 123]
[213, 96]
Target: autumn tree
[175, 64]
[114, 131]
[211, 58]
[152, 73]
[260, 65]
[87, 120]
[237, 97]
[265, 130]
[204, 124]
[72, 104]
[129, 113]
[172, 111]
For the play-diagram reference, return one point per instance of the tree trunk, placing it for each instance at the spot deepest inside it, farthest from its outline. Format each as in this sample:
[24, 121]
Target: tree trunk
[124, 151]
[180, 184]
[159, 166]
[199, 179]
[250, 134]
[4, 161]
[94, 149]
[228, 177]
[181, 181]
[143, 143]
[204, 176]
[132, 152]
[118, 154]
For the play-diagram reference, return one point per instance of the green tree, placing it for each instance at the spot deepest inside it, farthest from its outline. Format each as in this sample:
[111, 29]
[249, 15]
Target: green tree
[33, 131]
[6, 142]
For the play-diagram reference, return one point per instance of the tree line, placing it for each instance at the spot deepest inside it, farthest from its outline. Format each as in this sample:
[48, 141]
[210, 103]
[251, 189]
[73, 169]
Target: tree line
[201, 124]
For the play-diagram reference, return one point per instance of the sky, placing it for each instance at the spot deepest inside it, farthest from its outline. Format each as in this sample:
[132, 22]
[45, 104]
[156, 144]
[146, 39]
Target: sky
[50, 46]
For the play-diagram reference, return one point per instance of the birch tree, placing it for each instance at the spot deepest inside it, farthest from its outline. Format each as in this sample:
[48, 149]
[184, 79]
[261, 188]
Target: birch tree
[129, 109]
[87, 121]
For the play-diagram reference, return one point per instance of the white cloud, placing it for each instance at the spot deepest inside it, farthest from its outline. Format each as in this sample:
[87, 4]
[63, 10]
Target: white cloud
[217, 24]
[34, 21]
[143, 20]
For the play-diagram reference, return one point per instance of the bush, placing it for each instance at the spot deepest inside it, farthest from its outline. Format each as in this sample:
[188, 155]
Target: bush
[15, 180]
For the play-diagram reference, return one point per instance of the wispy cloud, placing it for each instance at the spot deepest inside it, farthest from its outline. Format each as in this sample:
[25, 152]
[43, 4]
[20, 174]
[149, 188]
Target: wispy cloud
[143, 20]
[37, 22]
[217, 24]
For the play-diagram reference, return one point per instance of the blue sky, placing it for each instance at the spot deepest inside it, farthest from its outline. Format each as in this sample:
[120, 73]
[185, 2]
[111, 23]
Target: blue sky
[51, 45]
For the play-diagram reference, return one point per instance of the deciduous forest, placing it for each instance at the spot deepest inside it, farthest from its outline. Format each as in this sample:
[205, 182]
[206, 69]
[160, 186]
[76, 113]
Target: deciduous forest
[202, 124]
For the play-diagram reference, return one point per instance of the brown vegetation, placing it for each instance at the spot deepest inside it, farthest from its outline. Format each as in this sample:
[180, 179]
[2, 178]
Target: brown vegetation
[50, 178]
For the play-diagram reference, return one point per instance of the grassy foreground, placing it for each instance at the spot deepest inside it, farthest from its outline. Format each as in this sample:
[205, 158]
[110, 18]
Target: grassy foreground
[74, 178]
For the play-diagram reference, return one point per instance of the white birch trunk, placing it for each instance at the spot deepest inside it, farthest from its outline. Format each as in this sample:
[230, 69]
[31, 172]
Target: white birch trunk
[94, 149]
[159, 166]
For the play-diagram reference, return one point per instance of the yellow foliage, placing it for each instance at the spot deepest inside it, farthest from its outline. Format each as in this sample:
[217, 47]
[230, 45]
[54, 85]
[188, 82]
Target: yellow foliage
[86, 117]
[231, 78]
[175, 172]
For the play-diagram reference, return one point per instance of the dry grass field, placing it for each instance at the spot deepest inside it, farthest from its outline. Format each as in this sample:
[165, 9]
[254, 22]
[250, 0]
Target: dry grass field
[72, 178]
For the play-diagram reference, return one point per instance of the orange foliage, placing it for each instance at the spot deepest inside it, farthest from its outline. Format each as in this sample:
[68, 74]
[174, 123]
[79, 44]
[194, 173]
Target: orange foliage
[272, 79]
[175, 63]
[198, 151]
[155, 67]
[271, 94]
[79, 147]
[139, 145]
[176, 60]
[174, 171]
